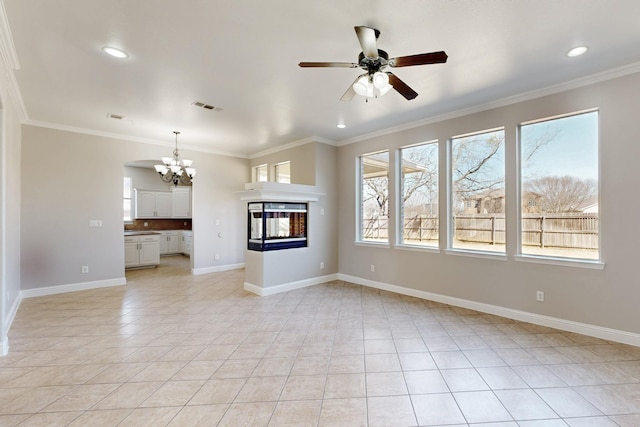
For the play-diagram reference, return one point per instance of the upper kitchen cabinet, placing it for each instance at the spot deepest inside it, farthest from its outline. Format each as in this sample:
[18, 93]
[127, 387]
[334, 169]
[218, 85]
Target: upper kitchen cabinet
[181, 202]
[153, 204]
[163, 204]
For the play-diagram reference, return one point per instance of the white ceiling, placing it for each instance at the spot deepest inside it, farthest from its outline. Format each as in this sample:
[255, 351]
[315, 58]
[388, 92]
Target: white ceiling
[242, 56]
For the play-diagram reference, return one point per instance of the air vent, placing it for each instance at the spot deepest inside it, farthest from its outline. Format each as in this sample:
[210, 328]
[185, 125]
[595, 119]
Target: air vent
[115, 116]
[206, 106]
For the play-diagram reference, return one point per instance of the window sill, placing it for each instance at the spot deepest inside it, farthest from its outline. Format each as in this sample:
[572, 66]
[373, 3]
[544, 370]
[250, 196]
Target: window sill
[477, 254]
[417, 248]
[579, 263]
[372, 244]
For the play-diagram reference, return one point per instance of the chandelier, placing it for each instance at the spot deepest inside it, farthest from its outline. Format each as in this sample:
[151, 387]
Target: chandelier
[372, 85]
[175, 170]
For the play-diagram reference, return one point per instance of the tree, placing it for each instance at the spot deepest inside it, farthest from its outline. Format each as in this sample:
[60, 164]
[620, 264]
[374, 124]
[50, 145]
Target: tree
[561, 193]
[376, 196]
[419, 179]
[477, 166]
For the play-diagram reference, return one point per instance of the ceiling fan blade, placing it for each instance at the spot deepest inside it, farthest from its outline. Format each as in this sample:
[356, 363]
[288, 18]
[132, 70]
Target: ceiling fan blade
[328, 64]
[401, 87]
[349, 94]
[368, 38]
[419, 59]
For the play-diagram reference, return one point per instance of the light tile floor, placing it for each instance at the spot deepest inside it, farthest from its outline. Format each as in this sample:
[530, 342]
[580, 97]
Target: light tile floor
[180, 350]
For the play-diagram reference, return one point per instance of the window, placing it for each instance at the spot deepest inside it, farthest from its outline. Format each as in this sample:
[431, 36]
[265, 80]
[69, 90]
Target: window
[477, 185]
[419, 190]
[260, 173]
[559, 187]
[282, 172]
[374, 197]
[127, 207]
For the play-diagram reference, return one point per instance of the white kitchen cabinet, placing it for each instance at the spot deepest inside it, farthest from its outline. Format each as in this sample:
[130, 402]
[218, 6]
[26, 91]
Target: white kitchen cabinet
[141, 251]
[187, 238]
[181, 202]
[153, 204]
[170, 242]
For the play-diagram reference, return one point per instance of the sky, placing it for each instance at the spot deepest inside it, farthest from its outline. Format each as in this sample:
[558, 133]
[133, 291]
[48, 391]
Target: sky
[573, 151]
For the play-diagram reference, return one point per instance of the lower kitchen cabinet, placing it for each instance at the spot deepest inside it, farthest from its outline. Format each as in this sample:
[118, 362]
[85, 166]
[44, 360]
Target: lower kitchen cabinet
[170, 242]
[187, 237]
[141, 251]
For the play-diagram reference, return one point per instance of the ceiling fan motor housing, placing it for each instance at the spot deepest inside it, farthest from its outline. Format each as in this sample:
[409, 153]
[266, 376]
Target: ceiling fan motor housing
[373, 65]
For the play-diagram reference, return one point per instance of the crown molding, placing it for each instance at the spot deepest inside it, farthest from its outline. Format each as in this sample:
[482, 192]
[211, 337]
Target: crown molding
[292, 145]
[123, 137]
[503, 102]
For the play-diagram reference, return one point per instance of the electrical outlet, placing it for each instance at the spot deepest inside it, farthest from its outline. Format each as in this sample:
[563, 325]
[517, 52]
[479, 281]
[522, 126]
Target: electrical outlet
[322, 265]
[216, 256]
[85, 269]
[146, 224]
[540, 296]
[373, 267]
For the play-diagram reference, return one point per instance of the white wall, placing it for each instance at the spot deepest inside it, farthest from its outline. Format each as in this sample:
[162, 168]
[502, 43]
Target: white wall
[311, 164]
[146, 179]
[219, 222]
[10, 135]
[605, 298]
[58, 202]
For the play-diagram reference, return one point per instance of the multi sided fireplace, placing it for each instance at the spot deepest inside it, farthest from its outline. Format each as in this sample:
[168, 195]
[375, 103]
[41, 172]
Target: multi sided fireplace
[277, 225]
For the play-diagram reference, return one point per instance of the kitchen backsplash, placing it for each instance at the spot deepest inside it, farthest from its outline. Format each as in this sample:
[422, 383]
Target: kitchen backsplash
[158, 224]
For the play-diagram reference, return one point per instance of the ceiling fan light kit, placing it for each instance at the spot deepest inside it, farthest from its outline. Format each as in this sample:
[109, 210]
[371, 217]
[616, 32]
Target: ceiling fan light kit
[376, 82]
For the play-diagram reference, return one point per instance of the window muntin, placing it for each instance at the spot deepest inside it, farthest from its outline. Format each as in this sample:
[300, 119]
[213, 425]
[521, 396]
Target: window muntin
[374, 197]
[260, 173]
[478, 192]
[559, 187]
[282, 172]
[127, 205]
[419, 195]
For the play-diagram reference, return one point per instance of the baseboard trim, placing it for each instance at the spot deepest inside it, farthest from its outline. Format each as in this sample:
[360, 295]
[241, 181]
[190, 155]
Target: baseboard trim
[72, 287]
[217, 269]
[9, 321]
[537, 319]
[285, 287]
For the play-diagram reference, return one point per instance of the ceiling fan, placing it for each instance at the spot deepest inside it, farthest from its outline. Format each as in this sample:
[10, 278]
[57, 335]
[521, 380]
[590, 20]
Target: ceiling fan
[376, 82]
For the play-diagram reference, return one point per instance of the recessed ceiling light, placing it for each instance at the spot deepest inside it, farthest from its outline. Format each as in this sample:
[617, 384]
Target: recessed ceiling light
[115, 52]
[341, 126]
[577, 51]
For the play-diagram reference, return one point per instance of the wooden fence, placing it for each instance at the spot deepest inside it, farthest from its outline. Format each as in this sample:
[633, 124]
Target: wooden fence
[577, 231]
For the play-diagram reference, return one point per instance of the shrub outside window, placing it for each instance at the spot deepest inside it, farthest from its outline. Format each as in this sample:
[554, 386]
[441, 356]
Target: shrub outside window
[559, 187]
[419, 190]
[478, 192]
[374, 197]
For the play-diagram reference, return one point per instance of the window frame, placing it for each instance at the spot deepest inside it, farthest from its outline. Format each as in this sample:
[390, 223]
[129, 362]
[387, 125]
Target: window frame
[276, 172]
[450, 226]
[128, 220]
[399, 205]
[519, 256]
[255, 173]
[360, 202]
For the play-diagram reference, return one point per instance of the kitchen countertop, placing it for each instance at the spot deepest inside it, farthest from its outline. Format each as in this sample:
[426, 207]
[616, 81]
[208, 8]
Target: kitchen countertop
[139, 233]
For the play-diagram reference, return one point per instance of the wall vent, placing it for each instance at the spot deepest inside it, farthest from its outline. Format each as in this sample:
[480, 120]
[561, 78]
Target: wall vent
[206, 106]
